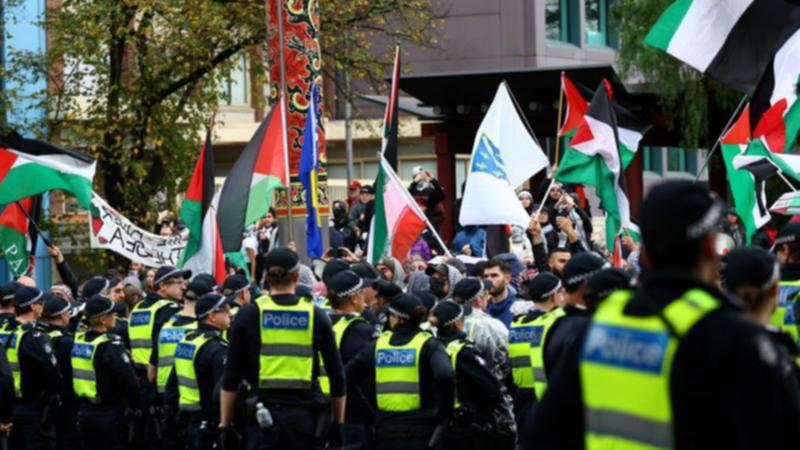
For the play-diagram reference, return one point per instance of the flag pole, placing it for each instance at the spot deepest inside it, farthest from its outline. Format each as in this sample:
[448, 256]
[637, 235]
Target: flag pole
[558, 142]
[35, 225]
[716, 143]
[785, 180]
[284, 105]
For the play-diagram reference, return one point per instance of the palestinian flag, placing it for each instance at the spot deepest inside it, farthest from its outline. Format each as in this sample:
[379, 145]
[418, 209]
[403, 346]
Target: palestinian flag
[788, 204]
[630, 129]
[29, 167]
[391, 118]
[397, 222]
[247, 192]
[203, 251]
[731, 41]
[593, 159]
[779, 122]
[14, 238]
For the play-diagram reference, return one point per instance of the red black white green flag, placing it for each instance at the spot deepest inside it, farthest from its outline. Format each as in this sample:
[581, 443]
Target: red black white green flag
[14, 236]
[391, 119]
[203, 252]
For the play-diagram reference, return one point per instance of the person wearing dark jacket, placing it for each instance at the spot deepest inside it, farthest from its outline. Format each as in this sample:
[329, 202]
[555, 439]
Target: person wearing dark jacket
[104, 380]
[478, 392]
[429, 195]
[498, 272]
[55, 322]
[6, 396]
[37, 379]
[409, 356]
[724, 388]
[787, 250]
[285, 384]
[353, 333]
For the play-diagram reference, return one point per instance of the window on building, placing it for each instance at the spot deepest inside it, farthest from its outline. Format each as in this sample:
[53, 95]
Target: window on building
[653, 159]
[596, 22]
[559, 20]
[236, 89]
[676, 160]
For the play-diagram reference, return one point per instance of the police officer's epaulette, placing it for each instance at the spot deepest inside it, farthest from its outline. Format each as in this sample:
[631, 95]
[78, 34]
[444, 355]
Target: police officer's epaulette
[114, 338]
[28, 326]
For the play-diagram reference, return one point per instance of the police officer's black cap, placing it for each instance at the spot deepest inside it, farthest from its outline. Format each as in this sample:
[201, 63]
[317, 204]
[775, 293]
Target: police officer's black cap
[678, 211]
[543, 286]
[196, 289]
[7, 292]
[404, 305]
[333, 267]
[467, 290]
[447, 312]
[209, 303]
[282, 257]
[345, 283]
[749, 266]
[234, 285]
[98, 306]
[427, 298]
[94, 286]
[387, 289]
[604, 282]
[166, 272]
[788, 234]
[582, 266]
[367, 273]
[26, 296]
[208, 278]
[54, 305]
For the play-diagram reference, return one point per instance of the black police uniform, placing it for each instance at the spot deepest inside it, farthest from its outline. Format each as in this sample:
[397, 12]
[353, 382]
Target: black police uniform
[6, 389]
[121, 330]
[66, 429]
[410, 430]
[359, 412]
[5, 318]
[478, 392]
[293, 410]
[110, 423]
[34, 411]
[726, 385]
[201, 427]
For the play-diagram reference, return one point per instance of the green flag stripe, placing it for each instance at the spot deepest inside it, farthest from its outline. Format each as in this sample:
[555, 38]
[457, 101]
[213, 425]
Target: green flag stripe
[260, 199]
[379, 233]
[191, 214]
[27, 180]
[664, 29]
[743, 189]
[15, 250]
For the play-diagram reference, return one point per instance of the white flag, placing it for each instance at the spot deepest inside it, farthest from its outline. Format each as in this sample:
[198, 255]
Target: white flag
[503, 157]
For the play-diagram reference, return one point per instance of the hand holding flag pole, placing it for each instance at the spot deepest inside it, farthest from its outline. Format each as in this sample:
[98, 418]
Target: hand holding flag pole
[35, 225]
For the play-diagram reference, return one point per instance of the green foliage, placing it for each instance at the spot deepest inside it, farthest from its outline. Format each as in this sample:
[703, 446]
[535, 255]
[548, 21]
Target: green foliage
[689, 98]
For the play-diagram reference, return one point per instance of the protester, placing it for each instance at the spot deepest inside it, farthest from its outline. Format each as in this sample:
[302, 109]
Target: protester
[443, 278]
[353, 191]
[499, 274]
[391, 270]
[470, 241]
[429, 195]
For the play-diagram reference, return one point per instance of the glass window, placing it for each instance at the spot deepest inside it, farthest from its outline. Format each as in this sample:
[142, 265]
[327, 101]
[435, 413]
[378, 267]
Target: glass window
[596, 22]
[369, 170]
[234, 90]
[676, 160]
[556, 23]
[653, 161]
[691, 161]
[339, 171]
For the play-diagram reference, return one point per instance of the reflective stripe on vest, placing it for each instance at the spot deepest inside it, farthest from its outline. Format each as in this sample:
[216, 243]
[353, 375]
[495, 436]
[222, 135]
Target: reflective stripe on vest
[168, 339]
[13, 339]
[520, 339]
[140, 330]
[453, 349]
[397, 373]
[469, 325]
[287, 344]
[339, 328]
[84, 378]
[783, 316]
[546, 321]
[625, 370]
[186, 373]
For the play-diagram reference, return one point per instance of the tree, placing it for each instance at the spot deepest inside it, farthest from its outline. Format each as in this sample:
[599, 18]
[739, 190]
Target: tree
[133, 82]
[694, 103]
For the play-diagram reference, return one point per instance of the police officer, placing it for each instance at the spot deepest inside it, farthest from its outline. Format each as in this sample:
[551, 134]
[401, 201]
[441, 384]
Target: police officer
[414, 381]
[787, 250]
[693, 369]
[113, 289]
[37, 379]
[162, 358]
[526, 339]
[370, 276]
[144, 324]
[352, 333]
[7, 303]
[275, 346]
[544, 290]
[55, 323]
[104, 380]
[236, 289]
[199, 365]
[6, 397]
[209, 280]
[478, 392]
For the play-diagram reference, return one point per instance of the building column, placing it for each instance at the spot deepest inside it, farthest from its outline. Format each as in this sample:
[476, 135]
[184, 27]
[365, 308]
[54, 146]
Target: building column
[446, 173]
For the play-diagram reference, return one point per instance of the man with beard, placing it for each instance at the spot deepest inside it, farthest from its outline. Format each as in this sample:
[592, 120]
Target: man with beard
[499, 274]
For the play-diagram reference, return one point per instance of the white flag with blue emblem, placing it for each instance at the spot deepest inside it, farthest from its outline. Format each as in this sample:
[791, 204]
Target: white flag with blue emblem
[503, 157]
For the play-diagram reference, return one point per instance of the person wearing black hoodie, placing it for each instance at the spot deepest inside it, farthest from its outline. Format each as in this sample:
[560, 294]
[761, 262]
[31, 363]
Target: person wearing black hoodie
[478, 392]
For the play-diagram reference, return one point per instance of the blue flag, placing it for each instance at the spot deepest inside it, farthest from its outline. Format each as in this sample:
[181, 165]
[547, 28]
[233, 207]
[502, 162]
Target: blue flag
[309, 165]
